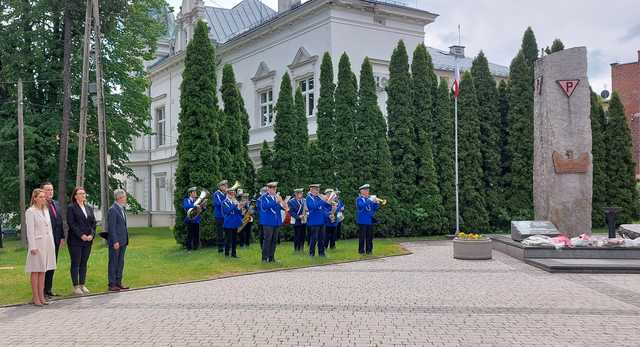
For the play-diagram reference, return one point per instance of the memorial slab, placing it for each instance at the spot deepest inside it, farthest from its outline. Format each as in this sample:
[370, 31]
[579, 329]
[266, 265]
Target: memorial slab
[520, 230]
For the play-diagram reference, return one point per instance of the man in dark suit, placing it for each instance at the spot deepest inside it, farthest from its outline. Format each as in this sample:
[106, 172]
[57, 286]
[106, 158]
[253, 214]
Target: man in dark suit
[118, 240]
[58, 234]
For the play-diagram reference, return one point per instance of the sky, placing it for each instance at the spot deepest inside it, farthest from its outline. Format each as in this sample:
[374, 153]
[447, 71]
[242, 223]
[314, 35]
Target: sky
[609, 29]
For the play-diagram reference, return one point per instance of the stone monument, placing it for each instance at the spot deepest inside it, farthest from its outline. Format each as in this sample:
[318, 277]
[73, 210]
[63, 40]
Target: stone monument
[562, 161]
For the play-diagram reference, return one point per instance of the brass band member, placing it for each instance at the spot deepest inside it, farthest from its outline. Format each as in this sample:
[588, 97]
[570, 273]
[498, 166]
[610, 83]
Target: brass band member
[270, 209]
[218, 198]
[298, 219]
[317, 207]
[366, 208]
[232, 211]
[247, 220]
[193, 223]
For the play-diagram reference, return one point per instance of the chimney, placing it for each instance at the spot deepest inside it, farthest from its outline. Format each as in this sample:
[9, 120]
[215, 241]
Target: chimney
[286, 5]
[638, 56]
[456, 50]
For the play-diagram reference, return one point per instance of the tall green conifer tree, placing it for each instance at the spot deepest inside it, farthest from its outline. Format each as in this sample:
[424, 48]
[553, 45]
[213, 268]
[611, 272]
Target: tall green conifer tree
[428, 203]
[372, 154]
[621, 182]
[444, 155]
[345, 113]
[198, 126]
[232, 165]
[402, 135]
[519, 175]
[473, 211]
[490, 127]
[265, 173]
[599, 154]
[322, 153]
[285, 167]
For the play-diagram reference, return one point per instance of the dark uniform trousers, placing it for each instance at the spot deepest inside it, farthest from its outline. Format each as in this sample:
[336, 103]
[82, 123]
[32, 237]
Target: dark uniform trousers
[230, 241]
[270, 237]
[316, 236]
[330, 240]
[298, 237]
[365, 238]
[193, 236]
[245, 235]
[220, 234]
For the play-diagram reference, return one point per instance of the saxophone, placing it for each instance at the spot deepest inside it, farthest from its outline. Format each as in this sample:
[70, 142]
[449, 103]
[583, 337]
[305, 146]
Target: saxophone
[248, 210]
[305, 213]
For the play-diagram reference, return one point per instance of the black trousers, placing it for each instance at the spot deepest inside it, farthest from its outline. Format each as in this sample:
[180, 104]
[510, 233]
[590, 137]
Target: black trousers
[298, 237]
[365, 238]
[245, 235]
[116, 265]
[316, 237]
[230, 241]
[193, 236]
[79, 258]
[330, 237]
[269, 242]
[220, 234]
[339, 231]
[48, 276]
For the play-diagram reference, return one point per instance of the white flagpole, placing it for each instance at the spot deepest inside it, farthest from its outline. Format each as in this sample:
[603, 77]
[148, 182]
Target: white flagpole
[457, 76]
[456, 155]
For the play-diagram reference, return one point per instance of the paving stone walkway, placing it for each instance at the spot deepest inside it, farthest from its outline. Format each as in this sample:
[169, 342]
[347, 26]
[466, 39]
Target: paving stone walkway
[426, 298]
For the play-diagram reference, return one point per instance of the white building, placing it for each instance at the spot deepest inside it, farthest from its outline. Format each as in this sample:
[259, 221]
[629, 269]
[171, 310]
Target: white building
[262, 45]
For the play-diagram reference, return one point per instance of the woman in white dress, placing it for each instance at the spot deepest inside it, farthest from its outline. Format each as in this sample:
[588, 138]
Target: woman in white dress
[41, 256]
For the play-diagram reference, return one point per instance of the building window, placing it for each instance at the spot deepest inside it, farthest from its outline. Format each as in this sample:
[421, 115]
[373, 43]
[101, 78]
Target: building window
[266, 108]
[160, 126]
[307, 88]
[161, 192]
[381, 82]
[445, 79]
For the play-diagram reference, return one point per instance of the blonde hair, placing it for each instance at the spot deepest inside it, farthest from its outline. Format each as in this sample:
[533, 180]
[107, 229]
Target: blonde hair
[34, 195]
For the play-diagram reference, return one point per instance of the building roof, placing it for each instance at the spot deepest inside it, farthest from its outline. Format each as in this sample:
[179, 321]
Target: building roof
[226, 23]
[443, 60]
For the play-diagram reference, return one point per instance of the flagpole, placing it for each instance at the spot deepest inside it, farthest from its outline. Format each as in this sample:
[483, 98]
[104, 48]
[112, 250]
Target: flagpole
[456, 157]
[455, 117]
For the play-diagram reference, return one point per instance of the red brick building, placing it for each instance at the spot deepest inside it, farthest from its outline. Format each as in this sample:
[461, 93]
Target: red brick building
[626, 81]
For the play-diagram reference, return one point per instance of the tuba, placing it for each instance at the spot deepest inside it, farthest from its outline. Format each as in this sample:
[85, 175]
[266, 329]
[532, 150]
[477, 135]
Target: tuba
[331, 198]
[199, 204]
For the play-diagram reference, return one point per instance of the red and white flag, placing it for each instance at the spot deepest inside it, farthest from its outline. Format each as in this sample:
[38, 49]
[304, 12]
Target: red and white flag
[456, 82]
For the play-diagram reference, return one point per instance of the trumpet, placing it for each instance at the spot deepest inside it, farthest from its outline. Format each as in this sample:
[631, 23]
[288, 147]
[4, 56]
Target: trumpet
[377, 200]
[199, 204]
[235, 186]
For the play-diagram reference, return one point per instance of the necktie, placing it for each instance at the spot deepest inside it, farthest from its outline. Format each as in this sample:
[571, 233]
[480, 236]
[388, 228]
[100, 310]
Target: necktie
[124, 216]
[53, 209]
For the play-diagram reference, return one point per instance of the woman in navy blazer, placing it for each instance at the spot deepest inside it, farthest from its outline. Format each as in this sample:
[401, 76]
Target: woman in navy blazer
[82, 230]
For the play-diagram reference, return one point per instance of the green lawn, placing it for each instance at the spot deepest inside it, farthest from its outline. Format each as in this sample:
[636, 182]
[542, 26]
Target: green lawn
[153, 257]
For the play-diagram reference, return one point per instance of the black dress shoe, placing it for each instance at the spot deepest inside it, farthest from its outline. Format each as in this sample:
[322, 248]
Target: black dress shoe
[114, 288]
[122, 287]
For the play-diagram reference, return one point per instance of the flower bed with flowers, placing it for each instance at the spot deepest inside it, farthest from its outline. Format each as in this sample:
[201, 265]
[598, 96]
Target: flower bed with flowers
[470, 236]
[471, 246]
